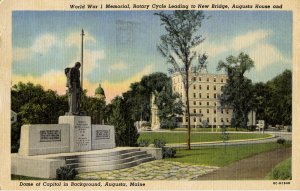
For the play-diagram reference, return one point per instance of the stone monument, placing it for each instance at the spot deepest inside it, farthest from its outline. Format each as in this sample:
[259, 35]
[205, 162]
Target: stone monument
[46, 147]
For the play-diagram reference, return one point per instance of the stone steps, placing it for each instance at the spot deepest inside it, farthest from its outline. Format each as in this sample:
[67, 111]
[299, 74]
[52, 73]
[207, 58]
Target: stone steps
[108, 161]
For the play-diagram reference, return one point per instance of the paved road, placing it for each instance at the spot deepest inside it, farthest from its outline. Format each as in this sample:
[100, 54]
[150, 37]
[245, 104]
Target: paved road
[256, 167]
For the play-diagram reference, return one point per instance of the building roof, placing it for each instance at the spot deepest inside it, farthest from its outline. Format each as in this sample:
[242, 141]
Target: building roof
[99, 91]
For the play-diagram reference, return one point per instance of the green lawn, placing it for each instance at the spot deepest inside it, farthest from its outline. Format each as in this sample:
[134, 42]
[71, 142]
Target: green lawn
[180, 137]
[209, 129]
[282, 171]
[217, 156]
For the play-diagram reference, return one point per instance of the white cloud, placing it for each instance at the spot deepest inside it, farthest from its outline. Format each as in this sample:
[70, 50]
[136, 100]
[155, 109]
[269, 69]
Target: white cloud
[249, 39]
[90, 60]
[266, 54]
[43, 43]
[118, 66]
[255, 43]
[75, 39]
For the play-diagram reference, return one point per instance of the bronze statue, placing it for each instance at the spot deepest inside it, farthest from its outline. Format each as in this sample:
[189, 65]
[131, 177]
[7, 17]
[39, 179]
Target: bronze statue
[74, 88]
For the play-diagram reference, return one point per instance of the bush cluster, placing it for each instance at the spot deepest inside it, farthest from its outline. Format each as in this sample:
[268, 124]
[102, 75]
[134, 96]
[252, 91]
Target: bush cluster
[144, 143]
[167, 152]
[66, 173]
[281, 141]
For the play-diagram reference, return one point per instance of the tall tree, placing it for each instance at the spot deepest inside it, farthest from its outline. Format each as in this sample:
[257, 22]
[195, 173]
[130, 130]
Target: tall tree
[177, 46]
[238, 92]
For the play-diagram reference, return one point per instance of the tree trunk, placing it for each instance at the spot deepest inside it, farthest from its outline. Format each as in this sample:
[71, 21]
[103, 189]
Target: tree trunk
[188, 110]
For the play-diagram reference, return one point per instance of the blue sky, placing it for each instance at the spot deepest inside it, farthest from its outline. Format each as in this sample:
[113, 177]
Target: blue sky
[120, 46]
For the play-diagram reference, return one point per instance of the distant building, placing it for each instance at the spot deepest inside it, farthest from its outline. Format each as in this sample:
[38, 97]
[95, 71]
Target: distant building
[203, 96]
[99, 93]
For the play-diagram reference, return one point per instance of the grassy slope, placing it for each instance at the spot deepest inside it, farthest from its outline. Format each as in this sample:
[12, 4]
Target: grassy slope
[282, 171]
[218, 156]
[180, 137]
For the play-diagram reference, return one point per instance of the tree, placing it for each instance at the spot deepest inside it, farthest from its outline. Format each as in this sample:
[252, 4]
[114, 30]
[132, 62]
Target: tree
[238, 92]
[34, 105]
[169, 106]
[279, 110]
[125, 131]
[177, 47]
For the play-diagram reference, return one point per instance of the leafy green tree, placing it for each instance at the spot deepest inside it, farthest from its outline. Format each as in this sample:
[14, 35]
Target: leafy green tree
[280, 102]
[178, 44]
[169, 107]
[238, 92]
[34, 105]
[125, 131]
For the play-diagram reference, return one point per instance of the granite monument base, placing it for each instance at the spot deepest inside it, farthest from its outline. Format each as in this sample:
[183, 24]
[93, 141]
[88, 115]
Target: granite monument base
[80, 132]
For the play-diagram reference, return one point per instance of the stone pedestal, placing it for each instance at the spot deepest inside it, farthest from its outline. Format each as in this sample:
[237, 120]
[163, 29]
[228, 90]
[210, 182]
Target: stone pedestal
[103, 137]
[43, 139]
[80, 132]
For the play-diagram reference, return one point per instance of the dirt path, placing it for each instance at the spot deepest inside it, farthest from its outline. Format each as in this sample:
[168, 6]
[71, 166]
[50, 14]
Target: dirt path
[255, 167]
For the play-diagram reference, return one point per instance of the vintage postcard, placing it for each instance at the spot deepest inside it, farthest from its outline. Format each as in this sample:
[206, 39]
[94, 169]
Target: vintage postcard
[149, 95]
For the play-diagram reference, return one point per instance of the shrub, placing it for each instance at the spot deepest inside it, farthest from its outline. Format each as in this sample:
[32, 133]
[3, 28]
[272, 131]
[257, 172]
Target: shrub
[158, 143]
[66, 173]
[144, 143]
[282, 171]
[281, 141]
[168, 152]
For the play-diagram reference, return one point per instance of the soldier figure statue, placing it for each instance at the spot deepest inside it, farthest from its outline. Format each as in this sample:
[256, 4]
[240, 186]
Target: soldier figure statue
[74, 88]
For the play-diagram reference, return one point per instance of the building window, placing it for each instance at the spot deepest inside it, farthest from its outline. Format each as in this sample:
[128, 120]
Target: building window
[194, 103]
[207, 103]
[186, 119]
[195, 111]
[222, 80]
[208, 79]
[222, 120]
[215, 120]
[207, 95]
[207, 111]
[200, 87]
[215, 96]
[194, 95]
[215, 111]
[195, 119]
[227, 120]
[208, 120]
[222, 111]
[207, 87]
[200, 103]
[194, 87]
[214, 79]
[194, 79]
[221, 88]
[200, 95]
[215, 87]
[200, 79]
[227, 111]
[200, 119]
[200, 111]
[215, 103]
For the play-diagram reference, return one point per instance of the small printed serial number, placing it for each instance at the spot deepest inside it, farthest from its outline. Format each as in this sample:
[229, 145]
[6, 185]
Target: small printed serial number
[281, 183]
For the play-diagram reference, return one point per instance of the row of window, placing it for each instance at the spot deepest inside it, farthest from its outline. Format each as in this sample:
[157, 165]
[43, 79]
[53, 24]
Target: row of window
[207, 103]
[207, 87]
[200, 87]
[207, 95]
[207, 111]
[194, 119]
[203, 79]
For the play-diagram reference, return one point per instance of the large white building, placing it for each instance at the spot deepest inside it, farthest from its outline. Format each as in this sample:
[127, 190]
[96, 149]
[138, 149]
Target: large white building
[203, 97]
